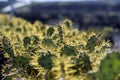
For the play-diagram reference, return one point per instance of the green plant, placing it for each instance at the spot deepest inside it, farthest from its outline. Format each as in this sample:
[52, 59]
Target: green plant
[109, 68]
[43, 52]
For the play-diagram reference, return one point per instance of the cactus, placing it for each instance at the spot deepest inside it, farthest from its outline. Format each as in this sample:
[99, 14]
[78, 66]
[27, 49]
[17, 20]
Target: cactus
[43, 52]
[92, 42]
[5, 46]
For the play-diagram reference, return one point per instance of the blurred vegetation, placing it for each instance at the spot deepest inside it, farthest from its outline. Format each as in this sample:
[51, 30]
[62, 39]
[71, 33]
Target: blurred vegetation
[51, 52]
[109, 67]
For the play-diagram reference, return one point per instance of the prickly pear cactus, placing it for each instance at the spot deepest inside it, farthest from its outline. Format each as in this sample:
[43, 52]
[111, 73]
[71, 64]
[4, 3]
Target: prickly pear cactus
[50, 52]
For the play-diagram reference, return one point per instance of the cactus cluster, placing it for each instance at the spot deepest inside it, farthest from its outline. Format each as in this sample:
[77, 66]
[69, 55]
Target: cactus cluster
[49, 52]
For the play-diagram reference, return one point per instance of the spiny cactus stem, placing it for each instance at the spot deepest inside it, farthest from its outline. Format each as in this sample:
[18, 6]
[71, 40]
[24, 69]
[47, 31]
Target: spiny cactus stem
[10, 74]
[45, 76]
[60, 34]
[62, 70]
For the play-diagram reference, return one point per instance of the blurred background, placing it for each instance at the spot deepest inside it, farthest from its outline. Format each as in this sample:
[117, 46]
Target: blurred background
[83, 13]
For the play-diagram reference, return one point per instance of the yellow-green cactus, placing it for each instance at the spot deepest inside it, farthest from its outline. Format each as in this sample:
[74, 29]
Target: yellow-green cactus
[5, 46]
[46, 52]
